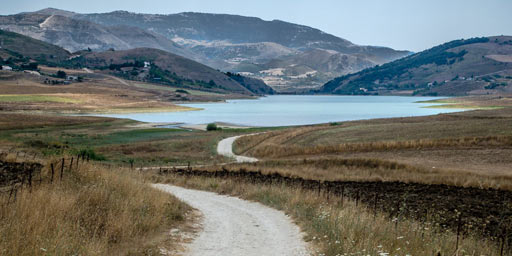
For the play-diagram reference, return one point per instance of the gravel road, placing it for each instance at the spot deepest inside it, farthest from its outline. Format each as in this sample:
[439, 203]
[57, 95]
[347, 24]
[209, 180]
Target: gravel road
[233, 226]
[225, 148]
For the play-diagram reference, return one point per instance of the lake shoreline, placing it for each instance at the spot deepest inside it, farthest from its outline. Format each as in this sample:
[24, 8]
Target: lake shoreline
[291, 110]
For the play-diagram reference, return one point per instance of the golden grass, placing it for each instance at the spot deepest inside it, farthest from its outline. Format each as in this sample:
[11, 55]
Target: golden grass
[337, 227]
[91, 212]
[278, 149]
[363, 169]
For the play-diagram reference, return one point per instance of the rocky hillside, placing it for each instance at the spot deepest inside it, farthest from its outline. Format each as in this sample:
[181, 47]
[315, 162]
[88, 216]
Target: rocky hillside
[275, 51]
[461, 67]
[253, 46]
[75, 35]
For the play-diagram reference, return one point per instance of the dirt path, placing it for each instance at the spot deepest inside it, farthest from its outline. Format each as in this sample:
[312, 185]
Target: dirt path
[225, 148]
[232, 226]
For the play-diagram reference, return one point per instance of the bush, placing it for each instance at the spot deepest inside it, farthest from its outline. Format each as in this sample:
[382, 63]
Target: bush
[61, 74]
[182, 91]
[92, 155]
[212, 127]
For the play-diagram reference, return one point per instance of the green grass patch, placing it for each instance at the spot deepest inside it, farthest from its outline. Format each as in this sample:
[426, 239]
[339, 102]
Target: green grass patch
[136, 135]
[457, 106]
[35, 98]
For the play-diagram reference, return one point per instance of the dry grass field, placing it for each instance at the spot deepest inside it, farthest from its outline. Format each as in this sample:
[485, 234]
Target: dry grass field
[91, 210]
[340, 226]
[465, 149]
[98, 92]
[469, 149]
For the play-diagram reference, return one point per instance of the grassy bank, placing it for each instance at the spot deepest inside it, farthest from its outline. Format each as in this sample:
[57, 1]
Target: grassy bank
[463, 149]
[343, 227]
[36, 98]
[92, 211]
[118, 141]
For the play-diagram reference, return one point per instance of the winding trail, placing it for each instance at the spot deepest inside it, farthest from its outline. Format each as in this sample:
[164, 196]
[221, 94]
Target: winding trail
[225, 148]
[233, 226]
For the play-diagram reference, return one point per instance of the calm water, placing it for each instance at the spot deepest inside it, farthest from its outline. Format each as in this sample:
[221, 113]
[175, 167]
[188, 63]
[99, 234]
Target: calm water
[295, 110]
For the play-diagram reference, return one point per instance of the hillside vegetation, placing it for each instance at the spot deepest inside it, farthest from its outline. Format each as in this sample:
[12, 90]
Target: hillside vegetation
[16, 47]
[161, 67]
[460, 67]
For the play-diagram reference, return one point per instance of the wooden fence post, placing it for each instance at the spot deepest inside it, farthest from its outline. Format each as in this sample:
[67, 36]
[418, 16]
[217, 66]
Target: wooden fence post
[71, 164]
[375, 205]
[62, 169]
[53, 172]
[342, 195]
[459, 226]
[30, 179]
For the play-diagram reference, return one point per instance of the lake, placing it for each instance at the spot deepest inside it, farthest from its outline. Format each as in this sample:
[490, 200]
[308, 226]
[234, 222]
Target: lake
[285, 110]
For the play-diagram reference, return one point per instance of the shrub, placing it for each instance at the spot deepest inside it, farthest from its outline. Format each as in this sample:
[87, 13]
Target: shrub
[92, 155]
[212, 127]
[182, 91]
[61, 74]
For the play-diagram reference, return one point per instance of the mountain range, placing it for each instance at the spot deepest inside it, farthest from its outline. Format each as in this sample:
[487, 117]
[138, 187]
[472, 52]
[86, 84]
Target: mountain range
[288, 57]
[141, 64]
[473, 66]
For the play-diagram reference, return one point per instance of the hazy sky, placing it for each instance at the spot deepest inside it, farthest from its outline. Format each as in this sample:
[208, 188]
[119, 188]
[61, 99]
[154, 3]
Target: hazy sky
[402, 24]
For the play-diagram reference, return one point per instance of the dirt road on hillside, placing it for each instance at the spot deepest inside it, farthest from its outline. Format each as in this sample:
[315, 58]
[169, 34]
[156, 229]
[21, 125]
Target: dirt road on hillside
[232, 226]
[225, 148]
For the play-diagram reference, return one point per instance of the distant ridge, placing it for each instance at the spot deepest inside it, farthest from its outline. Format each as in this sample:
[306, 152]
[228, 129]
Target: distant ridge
[461, 67]
[275, 51]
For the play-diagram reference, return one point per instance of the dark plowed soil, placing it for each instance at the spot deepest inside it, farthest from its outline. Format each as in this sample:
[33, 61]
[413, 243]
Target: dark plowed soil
[484, 212]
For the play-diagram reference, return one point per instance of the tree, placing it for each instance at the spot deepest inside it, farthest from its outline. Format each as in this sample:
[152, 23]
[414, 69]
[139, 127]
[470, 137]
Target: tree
[61, 74]
[212, 127]
[212, 83]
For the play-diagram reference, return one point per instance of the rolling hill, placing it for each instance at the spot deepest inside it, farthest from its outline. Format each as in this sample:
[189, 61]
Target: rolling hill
[246, 45]
[166, 68]
[13, 45]
[461, 67]
[250, 45]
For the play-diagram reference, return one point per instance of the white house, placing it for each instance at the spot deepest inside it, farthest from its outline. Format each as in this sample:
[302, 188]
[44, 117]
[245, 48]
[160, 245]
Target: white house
[6, 68]
[32, 72]
[147, 64]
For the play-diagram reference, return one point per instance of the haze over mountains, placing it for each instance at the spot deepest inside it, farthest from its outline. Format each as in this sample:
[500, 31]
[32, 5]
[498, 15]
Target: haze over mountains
[286, 56]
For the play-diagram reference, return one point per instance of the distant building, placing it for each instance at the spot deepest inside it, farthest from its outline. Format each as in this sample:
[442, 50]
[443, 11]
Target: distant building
[74, 57]
[32, 72]
[6, 68]
[147, 64]
[72, 78]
